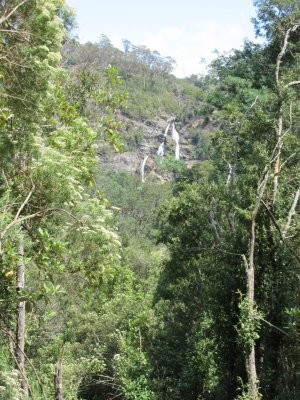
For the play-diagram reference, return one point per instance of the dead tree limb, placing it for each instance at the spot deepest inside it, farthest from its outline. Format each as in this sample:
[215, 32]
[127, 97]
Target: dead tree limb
[280, 232]
[291, 213]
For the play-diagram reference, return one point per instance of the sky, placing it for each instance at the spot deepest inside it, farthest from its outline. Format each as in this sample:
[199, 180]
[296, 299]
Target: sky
[187, 30]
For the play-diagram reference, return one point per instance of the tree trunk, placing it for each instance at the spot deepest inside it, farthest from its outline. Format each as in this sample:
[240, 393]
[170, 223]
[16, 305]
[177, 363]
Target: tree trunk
[250, 360]
[251, 371]
[278, 155]
[58, 380]
[20, 329]
[250, 271]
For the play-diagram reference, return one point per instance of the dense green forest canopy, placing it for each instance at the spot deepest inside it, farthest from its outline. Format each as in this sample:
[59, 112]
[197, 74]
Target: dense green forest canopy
[182, 286]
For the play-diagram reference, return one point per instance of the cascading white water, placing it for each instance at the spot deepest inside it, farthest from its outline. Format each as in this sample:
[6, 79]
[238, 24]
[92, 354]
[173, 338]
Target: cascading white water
[161, 149]
[143, 168]
[175, 137]
[167, 130]
[177, 153]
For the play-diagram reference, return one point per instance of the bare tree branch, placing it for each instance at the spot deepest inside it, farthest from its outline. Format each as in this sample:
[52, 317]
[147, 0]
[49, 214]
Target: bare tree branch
[230, 175]
[292, 84]
[6, 17]
[286, 161]
[24, 203]
[291, 213]
[273, 326]
[34, 215]
[277, 226]
[282, 52]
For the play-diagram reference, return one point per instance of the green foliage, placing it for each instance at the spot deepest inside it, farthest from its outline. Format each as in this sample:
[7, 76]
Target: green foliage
[145, 74]
[49, 199]
[138, 287]
[246, 394]
[138, 203]
[201, 357]
[249, 324]
[132, 366]
[10, 387]
[169, 164]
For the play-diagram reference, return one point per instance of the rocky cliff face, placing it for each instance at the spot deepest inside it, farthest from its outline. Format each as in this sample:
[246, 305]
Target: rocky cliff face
[152, 94]
[142, 138]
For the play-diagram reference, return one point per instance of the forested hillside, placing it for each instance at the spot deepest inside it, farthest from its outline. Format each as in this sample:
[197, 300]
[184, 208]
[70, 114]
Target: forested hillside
[153, 96]
[149, 230]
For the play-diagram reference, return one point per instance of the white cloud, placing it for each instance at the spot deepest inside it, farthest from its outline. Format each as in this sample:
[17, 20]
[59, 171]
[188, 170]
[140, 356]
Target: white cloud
[117, 41]
[190, 46]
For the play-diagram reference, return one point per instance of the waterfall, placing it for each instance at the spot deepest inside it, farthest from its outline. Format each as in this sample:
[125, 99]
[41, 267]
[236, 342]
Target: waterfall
[143, 168]
[177, 154]
[175, 137]
[161, 149]
[167, 130]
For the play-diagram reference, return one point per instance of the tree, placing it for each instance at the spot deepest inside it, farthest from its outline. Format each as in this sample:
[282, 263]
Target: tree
[244, 205]
[47, 144]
